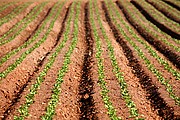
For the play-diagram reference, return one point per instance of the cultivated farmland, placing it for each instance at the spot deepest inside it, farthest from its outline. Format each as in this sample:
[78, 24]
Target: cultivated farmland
[90, 60]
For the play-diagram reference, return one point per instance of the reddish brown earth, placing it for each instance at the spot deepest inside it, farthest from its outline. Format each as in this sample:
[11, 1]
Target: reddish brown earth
[80, 96]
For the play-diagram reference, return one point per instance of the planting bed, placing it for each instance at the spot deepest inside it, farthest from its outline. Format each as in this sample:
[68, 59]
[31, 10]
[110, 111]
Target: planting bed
[90, 60]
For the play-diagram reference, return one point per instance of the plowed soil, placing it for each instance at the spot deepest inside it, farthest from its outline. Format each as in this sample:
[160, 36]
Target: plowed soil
[81, 95]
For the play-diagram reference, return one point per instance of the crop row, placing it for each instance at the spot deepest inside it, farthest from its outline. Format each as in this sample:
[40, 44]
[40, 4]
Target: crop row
[101, 75]
[31, 40]
[27, 20]
[147, 62]
[119, 75]
[18, 24]
[164, 36]
[15, 12]
[50, 111]
[151, 36]
[158, 15]
[3, 7]
[152, 52]
[167, 10]
[23, 110]
[164, 23]
[136, 15]
[23, 55]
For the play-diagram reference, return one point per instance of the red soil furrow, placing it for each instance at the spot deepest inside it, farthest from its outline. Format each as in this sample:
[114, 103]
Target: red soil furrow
[146, 80]
[68, 107]
[20, 99]
[7, 10]
[44, 93]
[80, 95]
[167, 75]
[38, 108]
[159, 45]
[161, 89]
[7, 26]
[86, 86]
[25, 34]
[136, 91]
[113, 85]
[111, 80]
[100, 110]
[12, 84]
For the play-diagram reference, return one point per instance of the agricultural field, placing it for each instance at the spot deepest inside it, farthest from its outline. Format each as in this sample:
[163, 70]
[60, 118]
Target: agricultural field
[90, 60]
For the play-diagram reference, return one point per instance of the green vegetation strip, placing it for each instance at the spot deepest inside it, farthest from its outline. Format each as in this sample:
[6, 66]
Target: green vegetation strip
[23, 110]
[15, 12]
[153, 53]
[148, 63]
[50, 111]
[27, 43]
[23, 56]
[3, 7]
[27, 20]
[119, 75]
[101, 76]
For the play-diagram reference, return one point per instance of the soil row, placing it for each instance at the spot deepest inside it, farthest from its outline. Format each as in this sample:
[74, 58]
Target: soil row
[27, 33]
[165, 28]
[16, 81]
[112, 83]
[166, 10]
[148, 51]
[18, 17]
[86, 84]
[159, 45]
[80, 92]
[152, 92]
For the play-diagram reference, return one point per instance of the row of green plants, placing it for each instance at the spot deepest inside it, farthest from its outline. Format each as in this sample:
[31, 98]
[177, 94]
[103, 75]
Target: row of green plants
[147, 62]
[163, 6]
[50, 110]
[152, 52]
[116, 69]
[31, 14]
[136, 15]
[31, 40]
[23, 23]
[15, 12]
[4, 6]
[159, 16]
[164, 37]
[101, 75]
[27, 52]
[23, 110]
[156, 29]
